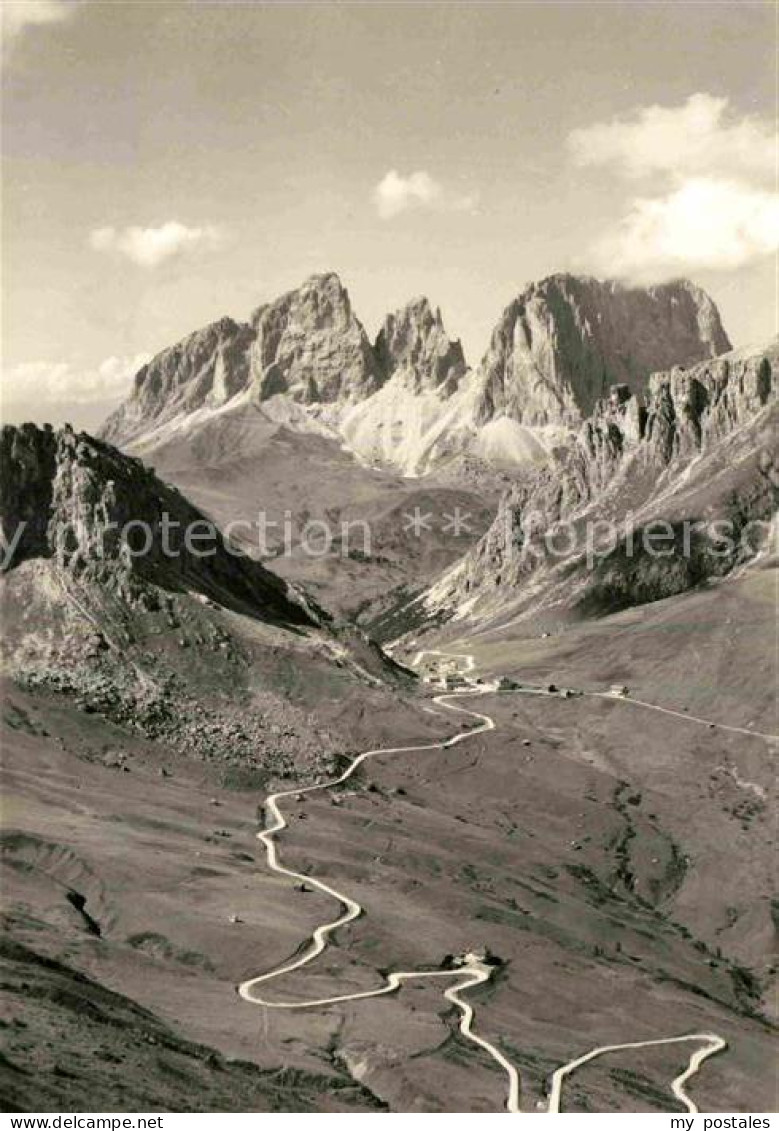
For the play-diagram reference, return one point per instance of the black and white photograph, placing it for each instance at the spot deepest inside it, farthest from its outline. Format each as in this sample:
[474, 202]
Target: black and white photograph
[388, 497]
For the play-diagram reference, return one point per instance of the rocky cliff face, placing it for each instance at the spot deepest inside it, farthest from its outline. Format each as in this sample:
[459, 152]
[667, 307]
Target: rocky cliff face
[412, 343]
[28, 460]
[205, 369]
[307, 344]
[104, 517]
[408, 401]
[700, 450]
[563, 342]
[691, 410]
[310, 345]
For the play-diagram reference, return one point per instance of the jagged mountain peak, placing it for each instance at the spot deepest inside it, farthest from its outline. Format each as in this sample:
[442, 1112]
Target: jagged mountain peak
[563, 341]
[307, 344]
[412, 341]
[700, 451]
[305, 358]
[322, 293]
[421, 306]
[310, 345]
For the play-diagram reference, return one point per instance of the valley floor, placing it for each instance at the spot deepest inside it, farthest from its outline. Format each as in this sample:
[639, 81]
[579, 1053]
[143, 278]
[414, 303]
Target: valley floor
[617, 861]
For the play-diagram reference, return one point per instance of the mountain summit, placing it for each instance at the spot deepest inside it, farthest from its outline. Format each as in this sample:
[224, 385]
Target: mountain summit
[563, 342]
[310, 345]
[307, 345]
[413, 341]
[408, 401]
[697, 458]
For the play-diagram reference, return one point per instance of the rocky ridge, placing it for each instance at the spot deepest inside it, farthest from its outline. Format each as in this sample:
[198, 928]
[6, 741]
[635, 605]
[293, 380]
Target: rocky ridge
[123, 598]
[307, 345]
[412, 342]
[699, 450]
[69, 497]
[564, 341]
[408, 400]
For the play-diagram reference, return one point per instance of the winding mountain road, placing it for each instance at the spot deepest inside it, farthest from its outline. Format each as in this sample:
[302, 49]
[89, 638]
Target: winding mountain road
[710, 1041]
[472, 972]
[682, 715]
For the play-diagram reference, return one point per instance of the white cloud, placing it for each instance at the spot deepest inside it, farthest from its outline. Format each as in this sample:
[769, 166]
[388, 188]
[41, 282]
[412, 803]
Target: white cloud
[148, 247]
[711, 202]
[18, 15]
[396, 194]
[45, 383]
[697, 138]
[704, 224]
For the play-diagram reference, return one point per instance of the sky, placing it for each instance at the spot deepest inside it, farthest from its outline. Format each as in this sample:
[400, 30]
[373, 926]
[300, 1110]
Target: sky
[169, 163]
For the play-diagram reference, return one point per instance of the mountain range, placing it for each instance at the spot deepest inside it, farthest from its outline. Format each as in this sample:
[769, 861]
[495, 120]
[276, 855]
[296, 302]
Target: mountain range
[615, 845]
[409, 401]
[594, 401]
[693, 462]
[297, 413]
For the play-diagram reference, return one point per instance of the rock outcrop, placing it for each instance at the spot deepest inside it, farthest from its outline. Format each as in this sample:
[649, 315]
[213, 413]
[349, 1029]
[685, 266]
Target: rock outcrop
[690, 410]
[106, 518]
[699, 452]
[205, 369]
[310, 345]
[564, 341]
[28, 462]
[420, 414]
[413, 343]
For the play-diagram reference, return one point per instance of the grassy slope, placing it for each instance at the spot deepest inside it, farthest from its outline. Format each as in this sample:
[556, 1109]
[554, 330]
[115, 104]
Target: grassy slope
[712, 651]
[239, 464]
[69, 1043]
[580, 859]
